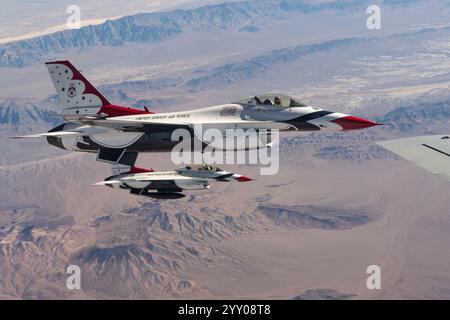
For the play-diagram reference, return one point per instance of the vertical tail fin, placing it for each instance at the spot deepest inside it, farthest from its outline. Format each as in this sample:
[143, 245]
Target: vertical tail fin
[75, 92]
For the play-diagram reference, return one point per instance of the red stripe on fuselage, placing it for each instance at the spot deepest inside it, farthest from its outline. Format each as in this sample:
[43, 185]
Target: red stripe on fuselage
[134, 169]
[118, 111]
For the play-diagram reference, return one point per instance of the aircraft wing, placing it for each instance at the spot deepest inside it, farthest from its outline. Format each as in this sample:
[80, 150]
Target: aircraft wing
[429, 152]
[101, 126]
[158, 177]
[108, 183]
[136, 125]
[167, 178]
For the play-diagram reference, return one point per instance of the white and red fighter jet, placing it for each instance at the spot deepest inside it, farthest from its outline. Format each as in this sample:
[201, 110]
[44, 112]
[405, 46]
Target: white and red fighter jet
[117, 134]
[169, 184]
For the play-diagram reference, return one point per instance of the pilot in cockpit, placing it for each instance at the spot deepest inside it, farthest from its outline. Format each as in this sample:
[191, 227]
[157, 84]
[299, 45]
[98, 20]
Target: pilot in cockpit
[277, 101]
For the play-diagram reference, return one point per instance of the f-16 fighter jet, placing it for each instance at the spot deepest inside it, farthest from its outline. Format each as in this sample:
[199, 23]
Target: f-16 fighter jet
[118, 133]
[170, 184]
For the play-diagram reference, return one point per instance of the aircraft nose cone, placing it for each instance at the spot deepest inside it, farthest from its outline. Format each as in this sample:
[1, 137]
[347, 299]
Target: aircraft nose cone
[243, 179]
[354, 123]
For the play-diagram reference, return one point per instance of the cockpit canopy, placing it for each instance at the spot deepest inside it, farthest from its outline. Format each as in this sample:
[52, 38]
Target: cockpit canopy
[272, 99]
[203, 167]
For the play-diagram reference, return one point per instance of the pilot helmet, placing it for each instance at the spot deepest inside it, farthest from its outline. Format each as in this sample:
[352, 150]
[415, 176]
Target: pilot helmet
[277, 100]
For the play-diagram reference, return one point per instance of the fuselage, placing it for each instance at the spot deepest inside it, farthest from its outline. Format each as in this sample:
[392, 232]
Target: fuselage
[162, 181]
[156, 130]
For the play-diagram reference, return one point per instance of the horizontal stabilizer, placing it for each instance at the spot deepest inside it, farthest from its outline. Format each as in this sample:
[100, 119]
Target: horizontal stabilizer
[50, 134]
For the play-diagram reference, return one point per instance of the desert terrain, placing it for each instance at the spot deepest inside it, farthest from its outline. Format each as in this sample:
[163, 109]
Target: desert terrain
[338, 204]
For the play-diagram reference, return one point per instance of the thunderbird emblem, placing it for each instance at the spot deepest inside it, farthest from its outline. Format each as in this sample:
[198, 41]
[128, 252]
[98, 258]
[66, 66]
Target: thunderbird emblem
[71, 91]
